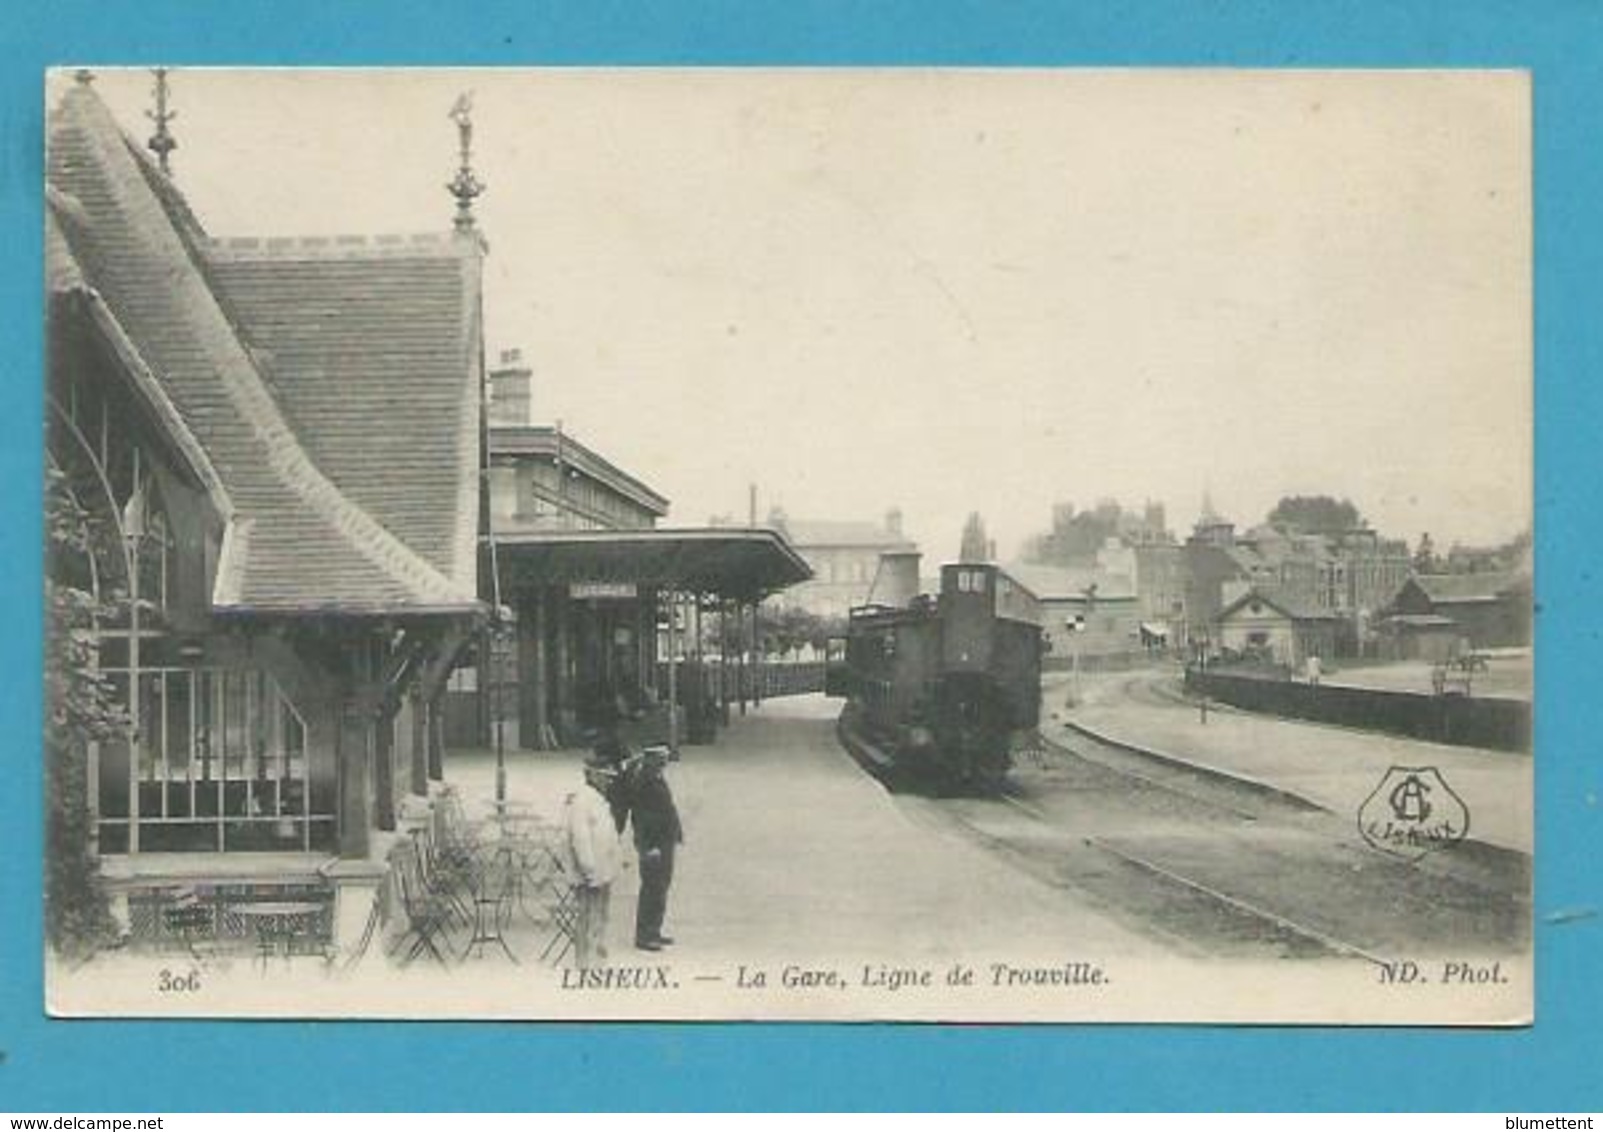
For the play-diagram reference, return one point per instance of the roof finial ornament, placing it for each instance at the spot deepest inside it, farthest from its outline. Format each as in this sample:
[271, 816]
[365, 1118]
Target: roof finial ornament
[161, 143]
[466, 186]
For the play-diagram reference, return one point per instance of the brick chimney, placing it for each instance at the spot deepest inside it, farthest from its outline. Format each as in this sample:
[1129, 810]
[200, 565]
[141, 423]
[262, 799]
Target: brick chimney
[510, 392]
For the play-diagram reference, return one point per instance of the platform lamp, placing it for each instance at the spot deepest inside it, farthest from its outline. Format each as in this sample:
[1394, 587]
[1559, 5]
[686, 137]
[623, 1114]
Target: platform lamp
[133, 533]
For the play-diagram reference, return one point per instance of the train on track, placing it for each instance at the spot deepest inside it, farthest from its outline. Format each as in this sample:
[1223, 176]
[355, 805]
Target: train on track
[941, 688]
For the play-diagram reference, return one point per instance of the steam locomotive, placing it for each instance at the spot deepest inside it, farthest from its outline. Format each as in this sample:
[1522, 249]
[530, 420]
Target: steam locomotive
[941, 688]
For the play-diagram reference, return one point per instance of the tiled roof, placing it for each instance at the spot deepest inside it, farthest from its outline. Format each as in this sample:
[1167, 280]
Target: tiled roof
[1291, 607]
[372, 350]
[1464, 587]
[300, 539]
[1048, 582]
[1245, 558]
[61, 268]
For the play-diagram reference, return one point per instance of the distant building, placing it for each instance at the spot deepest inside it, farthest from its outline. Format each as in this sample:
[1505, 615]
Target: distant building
[1111, 541]
[1160, 586]
[1376, 569]
[1512, 557]
[1086, 613]
[1217, 570]
[543, 479]
[1077, 539]
[1351, 576]
[1485, 610]
[844, 556]
[1278, 628]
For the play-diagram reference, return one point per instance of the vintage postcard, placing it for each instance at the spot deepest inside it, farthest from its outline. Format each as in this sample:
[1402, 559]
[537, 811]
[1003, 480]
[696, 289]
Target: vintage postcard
[919, 544]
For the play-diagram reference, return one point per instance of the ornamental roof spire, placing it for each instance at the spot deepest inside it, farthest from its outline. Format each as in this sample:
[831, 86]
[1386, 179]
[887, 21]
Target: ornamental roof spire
[465, 186]
[162, 142]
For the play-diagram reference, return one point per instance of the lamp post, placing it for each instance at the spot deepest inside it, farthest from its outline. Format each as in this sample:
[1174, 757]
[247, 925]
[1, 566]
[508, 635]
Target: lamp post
[673, 672]
[133, 531]
[493, 670]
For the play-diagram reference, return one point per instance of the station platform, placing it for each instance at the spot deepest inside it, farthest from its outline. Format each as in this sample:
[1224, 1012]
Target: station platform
[1336, 768]
[792, 852]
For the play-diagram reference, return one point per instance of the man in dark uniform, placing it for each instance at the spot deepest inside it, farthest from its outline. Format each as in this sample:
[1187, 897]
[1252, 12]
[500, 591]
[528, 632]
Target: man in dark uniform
[657, 834]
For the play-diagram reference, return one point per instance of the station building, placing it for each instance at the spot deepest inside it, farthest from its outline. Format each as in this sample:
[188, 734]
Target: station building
[290, 585]
[602, 596]
[276, 453]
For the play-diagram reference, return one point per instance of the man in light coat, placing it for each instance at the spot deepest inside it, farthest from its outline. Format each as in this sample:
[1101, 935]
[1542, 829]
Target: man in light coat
[595, 857]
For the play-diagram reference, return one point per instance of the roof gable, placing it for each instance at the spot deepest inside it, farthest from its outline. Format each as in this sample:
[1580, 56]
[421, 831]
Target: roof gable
[372, 347]
[310, 545]
[1281, 604]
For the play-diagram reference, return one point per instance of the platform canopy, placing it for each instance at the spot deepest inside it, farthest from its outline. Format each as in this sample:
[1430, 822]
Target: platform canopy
[733, 562]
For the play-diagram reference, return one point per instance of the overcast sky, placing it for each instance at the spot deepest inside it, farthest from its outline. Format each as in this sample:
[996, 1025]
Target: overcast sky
[957, 290]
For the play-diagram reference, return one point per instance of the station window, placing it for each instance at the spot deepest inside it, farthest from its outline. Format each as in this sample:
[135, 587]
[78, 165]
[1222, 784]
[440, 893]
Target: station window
[221, 762]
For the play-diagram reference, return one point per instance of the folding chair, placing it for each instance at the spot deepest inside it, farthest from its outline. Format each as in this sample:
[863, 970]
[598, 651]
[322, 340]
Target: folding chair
[452, 832]
[564, 915]
[427, 914]
[448, 876]
[375, 918]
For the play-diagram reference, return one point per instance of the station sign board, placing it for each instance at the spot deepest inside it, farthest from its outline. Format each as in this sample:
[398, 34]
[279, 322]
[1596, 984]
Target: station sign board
[602, 591]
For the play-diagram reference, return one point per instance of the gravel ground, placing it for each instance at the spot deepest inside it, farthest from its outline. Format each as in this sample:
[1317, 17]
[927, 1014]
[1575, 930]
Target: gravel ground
[792, 851]
[1338, 768]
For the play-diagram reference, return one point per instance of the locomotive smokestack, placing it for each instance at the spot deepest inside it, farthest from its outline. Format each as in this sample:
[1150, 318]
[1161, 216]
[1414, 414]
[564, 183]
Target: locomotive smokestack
[897, 581]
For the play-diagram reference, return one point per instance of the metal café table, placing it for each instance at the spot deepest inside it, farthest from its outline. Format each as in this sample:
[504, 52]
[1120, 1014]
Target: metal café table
[278, 924]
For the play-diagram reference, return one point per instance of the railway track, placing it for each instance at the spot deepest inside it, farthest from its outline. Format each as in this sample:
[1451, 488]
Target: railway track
[1190, 915]
[1195, 785]
[1273, 920]
[1474, 862]
[1216, 868]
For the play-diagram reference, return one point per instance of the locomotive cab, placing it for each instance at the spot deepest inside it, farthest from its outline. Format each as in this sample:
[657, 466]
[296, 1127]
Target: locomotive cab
[944, 683]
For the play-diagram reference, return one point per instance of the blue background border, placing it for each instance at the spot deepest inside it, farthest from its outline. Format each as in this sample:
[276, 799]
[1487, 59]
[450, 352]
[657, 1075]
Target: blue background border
[188, 1066]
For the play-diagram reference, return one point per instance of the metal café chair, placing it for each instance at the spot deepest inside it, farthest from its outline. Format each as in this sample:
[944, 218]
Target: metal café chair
[427, 914]
[447, 876]
[563, 915]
